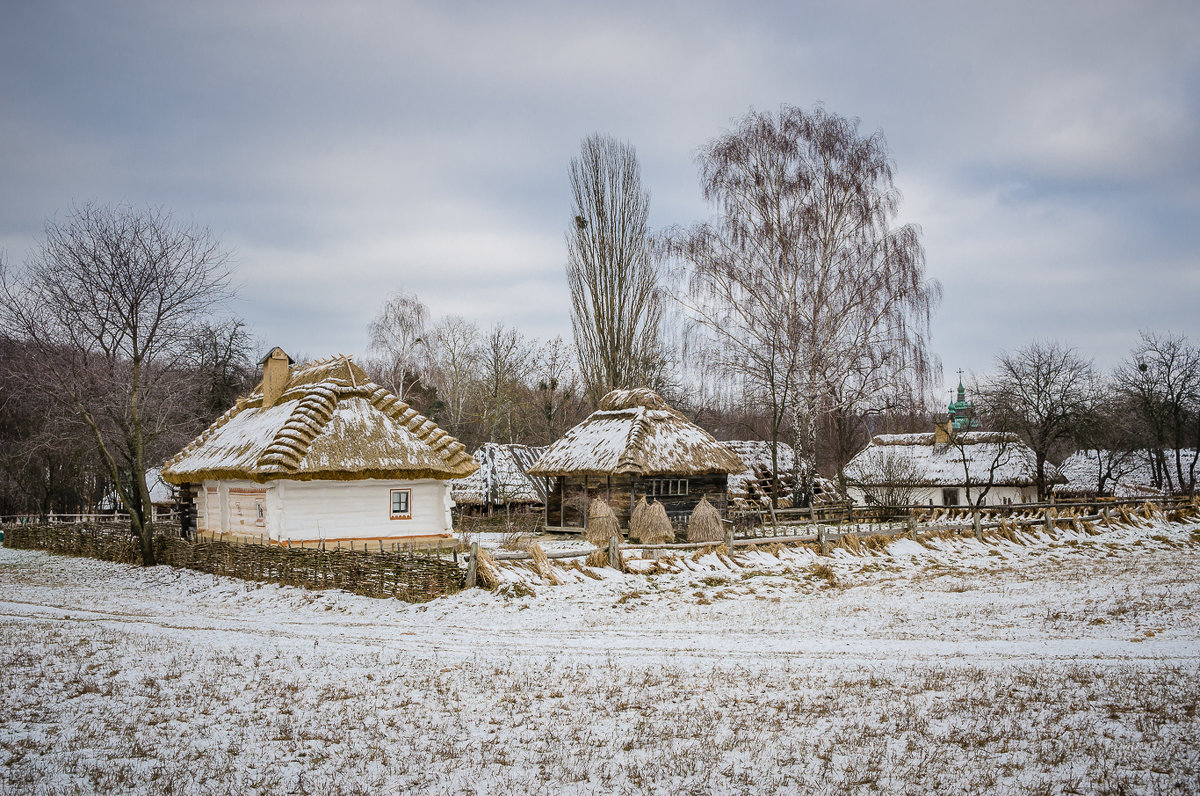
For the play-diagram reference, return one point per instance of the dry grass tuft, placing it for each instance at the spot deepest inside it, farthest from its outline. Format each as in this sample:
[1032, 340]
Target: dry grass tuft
[705, 523]
[823, 572]
[597, 558]
[486, 574]
[602, 524]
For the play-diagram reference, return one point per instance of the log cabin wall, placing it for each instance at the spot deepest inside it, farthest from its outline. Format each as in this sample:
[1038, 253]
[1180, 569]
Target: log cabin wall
[564, 504]
[679, 506]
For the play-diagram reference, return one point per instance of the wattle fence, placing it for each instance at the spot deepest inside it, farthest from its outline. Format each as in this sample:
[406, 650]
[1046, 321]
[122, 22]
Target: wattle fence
[413, 575]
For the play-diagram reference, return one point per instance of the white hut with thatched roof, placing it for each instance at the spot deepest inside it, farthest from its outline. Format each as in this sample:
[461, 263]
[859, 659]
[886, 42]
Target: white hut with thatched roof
[941, 469]
[634, 445]
[321, 454]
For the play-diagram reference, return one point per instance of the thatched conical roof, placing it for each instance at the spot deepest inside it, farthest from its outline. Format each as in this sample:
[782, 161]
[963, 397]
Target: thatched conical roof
[330, 423]
[636, 432]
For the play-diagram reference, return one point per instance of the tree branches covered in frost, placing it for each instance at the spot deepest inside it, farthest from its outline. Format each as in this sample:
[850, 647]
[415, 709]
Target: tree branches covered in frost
[812, 293]
[616, 305]
[113, 301]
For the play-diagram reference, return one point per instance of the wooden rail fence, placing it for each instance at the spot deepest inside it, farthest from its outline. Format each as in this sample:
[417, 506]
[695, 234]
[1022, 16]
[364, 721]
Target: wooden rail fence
[413, 576]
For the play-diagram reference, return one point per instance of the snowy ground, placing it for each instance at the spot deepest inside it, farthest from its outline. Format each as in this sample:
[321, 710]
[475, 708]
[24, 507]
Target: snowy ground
[1064, 665]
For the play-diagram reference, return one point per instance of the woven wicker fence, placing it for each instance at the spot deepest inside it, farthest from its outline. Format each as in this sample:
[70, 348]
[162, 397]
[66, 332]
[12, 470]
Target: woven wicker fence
[412, 576]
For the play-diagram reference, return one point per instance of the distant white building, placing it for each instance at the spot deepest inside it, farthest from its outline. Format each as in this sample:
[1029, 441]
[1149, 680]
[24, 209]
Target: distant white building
[931, 470]
[321, 454]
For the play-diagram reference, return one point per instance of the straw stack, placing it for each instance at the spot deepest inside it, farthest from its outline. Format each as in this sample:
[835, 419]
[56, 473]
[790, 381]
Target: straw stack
[639, 522]
[658, 526]
[602, 524]
[705, 523]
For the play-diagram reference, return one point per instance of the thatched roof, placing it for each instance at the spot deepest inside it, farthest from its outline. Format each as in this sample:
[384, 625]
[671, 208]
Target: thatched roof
[754, 485]
[330, 423]
[635, 432]
[923, 461]
[1132, 474]
[501, 477]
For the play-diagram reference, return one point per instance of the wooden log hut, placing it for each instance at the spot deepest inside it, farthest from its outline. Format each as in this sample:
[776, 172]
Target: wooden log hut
[634, 445]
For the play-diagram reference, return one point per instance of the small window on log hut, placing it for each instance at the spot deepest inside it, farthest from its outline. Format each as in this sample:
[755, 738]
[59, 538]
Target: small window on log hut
[401, 504]
[668, 486]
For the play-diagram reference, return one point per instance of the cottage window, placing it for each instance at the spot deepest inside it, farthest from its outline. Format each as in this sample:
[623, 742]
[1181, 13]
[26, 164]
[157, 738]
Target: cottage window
[950, 497]
[668, 486]
[401, 504]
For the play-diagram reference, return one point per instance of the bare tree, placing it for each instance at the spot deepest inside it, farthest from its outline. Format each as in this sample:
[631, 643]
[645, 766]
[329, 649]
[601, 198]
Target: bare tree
[398, 340]
[1043, 392]
[506, 364]
[888, 479]
[816, 297]
[1162, 377]
[455, 355]
[557, 390]
[111, 301]
[616, 306]
[1108, 433]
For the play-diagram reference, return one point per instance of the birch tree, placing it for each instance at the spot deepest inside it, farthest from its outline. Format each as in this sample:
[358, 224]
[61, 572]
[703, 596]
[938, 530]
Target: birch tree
[398, 340]
[818, 297]
[112, 301]
[616, 305]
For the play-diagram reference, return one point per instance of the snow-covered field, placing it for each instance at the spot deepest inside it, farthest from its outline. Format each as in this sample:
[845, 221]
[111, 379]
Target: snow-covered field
[1064, 665]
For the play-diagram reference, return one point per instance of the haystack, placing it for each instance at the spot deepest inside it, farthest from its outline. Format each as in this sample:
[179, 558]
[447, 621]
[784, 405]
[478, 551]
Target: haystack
[658, 528]
[705, 524]
[602, 524]
[639, 521]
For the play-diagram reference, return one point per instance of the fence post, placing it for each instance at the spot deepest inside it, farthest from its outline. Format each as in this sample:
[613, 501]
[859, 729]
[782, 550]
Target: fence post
[912, 528]
[729, 536]
[473, 565]
[1104, 511]
[1047, 519]
[978, 525]
[614, 553]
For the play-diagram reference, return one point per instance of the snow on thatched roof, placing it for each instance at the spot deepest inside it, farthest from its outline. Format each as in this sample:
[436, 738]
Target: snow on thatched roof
[1132, 474]
[331, 423]
[501, 477]
[754, 484]
[636, 432]
[919, 460]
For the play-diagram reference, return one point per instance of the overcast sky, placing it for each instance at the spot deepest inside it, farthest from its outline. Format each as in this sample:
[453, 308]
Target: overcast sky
[342, 151]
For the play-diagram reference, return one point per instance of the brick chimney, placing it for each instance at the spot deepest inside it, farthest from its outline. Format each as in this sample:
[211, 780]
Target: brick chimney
[277, 372]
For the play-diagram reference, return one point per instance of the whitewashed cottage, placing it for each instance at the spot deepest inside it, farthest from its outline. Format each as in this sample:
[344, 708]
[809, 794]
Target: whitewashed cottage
[944, 468]
[321, 454]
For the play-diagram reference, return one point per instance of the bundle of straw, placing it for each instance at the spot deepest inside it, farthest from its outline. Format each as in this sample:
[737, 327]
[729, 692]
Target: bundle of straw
[658, 526]
[602, 524]
[639, 523]
[486, 576]
[705, 523]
